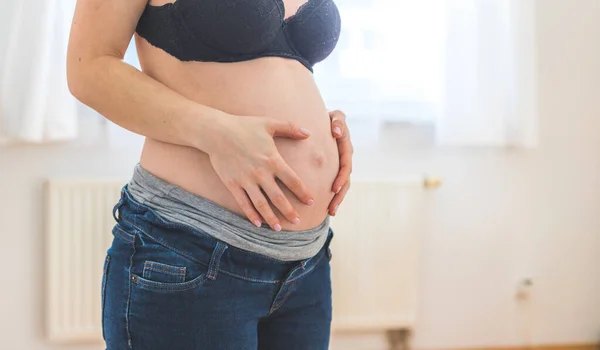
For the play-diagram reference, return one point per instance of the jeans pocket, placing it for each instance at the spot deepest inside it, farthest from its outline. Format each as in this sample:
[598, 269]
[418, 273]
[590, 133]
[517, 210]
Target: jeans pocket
[157, 268]
[168, 287]
[163, 304]
[173, 315]
[161, 277]
[160, 272]
[172, 274]
[103, 292]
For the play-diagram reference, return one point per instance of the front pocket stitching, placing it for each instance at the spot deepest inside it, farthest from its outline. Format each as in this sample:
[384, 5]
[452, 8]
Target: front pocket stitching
[168, 287]
[151, 267]
[175, 273]
[168, 269]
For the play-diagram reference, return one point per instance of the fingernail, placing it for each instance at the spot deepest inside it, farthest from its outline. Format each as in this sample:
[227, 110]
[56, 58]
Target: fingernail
[296, 221]
[337, 130]
[277, 227]
[338, 190]
[305, 131]
[257, 223]
[335, 209]
[310, 202]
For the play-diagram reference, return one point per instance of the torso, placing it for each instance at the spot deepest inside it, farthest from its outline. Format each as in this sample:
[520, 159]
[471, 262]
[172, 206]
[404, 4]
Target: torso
[270, 87]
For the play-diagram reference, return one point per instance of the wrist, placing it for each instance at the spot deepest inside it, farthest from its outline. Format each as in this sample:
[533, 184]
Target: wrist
[204, 129]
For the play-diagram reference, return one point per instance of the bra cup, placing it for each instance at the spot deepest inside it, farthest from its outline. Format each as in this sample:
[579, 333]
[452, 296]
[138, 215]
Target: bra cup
[239, 30]
[255, 27]
[316, 30]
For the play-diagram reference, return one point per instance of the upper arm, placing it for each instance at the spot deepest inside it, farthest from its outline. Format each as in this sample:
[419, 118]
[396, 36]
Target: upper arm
[101, 28]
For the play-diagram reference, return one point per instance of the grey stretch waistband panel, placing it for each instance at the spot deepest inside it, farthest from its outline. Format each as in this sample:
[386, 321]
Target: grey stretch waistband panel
[178, 205]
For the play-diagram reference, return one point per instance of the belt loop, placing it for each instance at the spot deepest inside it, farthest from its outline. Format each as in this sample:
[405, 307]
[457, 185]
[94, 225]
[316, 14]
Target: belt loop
[215, 260]
[116, 209]
[119, 205]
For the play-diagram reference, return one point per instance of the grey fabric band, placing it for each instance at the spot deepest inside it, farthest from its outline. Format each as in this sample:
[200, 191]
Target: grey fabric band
[178, 205]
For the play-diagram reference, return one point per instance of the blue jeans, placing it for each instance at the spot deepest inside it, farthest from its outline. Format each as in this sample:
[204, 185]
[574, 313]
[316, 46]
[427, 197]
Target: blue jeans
[168, 286]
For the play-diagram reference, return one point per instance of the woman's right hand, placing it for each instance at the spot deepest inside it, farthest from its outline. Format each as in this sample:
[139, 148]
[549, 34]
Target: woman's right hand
[247, 161]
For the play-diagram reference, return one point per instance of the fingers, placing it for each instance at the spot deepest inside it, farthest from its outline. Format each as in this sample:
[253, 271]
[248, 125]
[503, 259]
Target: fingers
[344, 172]
[247, 207]
[341, 184]
[291, 180]
[287, 129]
[263, 206]
[280, 201]
[341, 133]
[338, 123]
[338, 198]
[346, 150]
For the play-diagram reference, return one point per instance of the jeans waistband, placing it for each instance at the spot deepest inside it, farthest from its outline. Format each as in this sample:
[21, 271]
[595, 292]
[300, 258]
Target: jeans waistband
[177, 205]
[200, 247]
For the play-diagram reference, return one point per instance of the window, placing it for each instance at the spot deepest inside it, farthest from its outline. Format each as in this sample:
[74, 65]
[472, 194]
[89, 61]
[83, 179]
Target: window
[389, 60]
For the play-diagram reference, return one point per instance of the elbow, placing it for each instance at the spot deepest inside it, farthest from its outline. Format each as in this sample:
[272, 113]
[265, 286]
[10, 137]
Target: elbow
[79, 72]
[75, 80]
[80, 82]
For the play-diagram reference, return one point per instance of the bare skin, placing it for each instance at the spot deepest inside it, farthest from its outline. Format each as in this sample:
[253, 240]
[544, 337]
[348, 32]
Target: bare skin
[254, 136]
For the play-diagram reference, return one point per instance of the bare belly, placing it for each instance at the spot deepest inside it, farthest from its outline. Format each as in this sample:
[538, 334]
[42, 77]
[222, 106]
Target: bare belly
[270, 87]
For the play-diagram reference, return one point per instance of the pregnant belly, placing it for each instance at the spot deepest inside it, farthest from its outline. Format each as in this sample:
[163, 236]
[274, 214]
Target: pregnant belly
[285, 92]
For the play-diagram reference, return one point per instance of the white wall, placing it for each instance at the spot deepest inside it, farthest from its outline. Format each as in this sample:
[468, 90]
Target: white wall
[500, 215]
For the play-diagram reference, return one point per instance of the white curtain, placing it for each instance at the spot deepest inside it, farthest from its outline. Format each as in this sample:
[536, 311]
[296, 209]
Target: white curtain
[35, 103]
[467, 67]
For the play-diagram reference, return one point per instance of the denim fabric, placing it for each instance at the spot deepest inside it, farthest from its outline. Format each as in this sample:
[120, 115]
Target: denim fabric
[170, 286]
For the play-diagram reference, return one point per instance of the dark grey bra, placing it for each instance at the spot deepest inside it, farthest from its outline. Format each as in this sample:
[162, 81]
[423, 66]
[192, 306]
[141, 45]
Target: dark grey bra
[239, 30]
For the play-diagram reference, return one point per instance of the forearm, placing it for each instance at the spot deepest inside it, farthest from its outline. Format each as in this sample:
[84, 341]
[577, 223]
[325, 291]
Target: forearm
[141, 104]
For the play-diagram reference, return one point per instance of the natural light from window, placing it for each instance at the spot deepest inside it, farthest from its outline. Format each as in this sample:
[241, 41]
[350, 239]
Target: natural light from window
[389, 60]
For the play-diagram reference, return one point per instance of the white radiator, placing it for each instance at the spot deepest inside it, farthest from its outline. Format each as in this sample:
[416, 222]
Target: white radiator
[78, 223]
[375, 264]
[376, 248]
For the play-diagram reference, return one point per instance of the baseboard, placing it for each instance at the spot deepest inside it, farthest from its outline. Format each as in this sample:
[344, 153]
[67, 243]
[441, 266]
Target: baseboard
[379, 342]
[541, 347]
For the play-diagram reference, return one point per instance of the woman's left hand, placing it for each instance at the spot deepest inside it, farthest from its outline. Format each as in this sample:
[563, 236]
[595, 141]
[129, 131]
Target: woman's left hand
[340, 132]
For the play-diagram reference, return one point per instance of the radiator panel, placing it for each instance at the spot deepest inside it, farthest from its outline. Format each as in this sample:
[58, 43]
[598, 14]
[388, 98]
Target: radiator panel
[79, 223]
[376, 256]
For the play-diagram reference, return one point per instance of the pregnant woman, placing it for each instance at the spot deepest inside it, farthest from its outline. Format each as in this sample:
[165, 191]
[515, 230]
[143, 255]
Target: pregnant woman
[222, 234]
